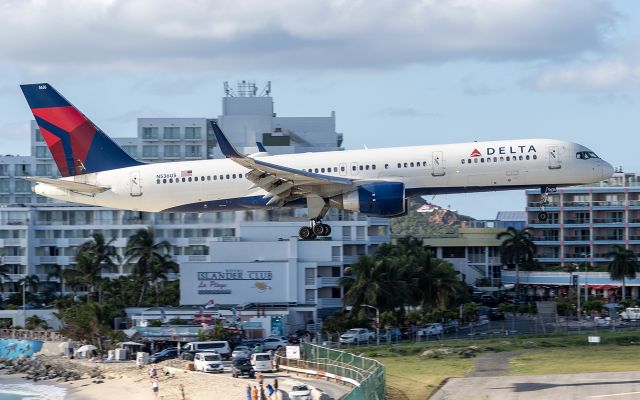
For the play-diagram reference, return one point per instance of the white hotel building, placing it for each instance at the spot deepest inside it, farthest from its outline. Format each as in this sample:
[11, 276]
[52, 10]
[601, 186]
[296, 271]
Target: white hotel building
[37, 233]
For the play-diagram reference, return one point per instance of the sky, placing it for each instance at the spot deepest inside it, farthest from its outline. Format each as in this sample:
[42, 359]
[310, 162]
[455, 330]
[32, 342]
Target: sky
[396, 72]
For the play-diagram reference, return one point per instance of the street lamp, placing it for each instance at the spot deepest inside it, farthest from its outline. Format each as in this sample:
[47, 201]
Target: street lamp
[586, 287]
[377, 322]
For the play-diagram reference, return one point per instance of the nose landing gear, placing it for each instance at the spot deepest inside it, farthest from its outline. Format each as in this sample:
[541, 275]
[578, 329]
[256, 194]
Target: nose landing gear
[544, 201]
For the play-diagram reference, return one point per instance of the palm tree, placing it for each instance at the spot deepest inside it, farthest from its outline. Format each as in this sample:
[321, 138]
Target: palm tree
[30, 282]
[361, 284]
[142, 251]
[5, 276]
[99, 256]
[158, 271]
[623, 264]
[517, 248]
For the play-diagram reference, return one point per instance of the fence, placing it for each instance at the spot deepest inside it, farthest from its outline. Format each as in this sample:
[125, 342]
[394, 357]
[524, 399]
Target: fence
[366, 375]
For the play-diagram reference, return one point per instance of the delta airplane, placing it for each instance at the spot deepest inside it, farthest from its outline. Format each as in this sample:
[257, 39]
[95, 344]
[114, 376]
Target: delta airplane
[376, 182]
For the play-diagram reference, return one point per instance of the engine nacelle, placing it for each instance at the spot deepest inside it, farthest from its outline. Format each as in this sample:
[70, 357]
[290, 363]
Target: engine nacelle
[381, 199]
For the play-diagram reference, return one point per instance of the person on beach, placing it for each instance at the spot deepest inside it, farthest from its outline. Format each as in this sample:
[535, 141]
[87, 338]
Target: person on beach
[153, 372]
[248, 392]
[254, 393]
[270, 390]
[155, 387]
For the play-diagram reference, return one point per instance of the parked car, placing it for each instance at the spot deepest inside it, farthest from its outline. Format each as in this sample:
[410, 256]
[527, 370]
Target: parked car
[252, 343]
[300, 392]
[219, 346]
[495, 314]
[241, 352]
[356, 336]
[630, 314]
[241, 366]
[451, 326]
[274, 343]
[430, 330]
[262, 362]
[166, 354]
[390, 335]
[208, 362]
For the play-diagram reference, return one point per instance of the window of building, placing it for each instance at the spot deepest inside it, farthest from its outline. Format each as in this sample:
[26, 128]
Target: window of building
[22, 186]
[42, 152]
[149, 132]
[172, 151]
[192, 151]
[39, 137]
[171, 132]
[43, 170]
[4, 170]
[132, 150]
[192, 132]
[149, 151]
[453, 252]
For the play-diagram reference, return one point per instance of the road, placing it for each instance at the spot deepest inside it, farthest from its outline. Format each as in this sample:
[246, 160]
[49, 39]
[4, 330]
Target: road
[611, 385]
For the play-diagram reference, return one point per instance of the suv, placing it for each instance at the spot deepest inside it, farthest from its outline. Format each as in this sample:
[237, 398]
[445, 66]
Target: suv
[390, 335]
[356, 336]
[274, 343]
[430, 330]
[166, 354]
[208, 362]
[219, 346]
[241, 366]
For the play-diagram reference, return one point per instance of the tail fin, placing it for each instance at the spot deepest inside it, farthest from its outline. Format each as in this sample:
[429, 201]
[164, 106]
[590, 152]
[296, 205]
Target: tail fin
[76, 144]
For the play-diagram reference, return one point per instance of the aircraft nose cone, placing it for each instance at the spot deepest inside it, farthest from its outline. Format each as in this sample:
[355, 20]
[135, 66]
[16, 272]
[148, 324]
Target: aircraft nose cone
[607, 170]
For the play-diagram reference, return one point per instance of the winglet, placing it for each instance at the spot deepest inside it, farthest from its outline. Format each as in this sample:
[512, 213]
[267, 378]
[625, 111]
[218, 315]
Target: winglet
[261, 148]
[225, 146]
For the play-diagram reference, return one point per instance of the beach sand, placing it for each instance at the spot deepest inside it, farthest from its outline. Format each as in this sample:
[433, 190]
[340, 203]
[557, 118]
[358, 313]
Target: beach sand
[125, 381]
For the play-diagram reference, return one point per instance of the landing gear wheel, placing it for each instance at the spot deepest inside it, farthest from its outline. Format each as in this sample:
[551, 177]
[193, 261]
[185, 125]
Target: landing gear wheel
[318, 229]
[306, 233]
[543, 216]
[326, 230]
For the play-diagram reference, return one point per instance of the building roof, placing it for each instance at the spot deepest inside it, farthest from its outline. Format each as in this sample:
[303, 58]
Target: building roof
[511, 216]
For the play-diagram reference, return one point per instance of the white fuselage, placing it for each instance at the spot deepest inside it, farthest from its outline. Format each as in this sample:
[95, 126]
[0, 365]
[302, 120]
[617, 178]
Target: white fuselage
[214, 185]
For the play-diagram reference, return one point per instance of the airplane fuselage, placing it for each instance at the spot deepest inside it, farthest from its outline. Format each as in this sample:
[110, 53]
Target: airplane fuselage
[220, 184]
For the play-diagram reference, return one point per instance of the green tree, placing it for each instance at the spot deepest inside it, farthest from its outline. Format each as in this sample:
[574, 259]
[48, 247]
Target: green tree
[361, 283]
[101, 256]
[88, 322]
[5, 276]
[158, 274]
[146, 256]
[30, 283]
[623, 264]
[35, 322]
[517, 249]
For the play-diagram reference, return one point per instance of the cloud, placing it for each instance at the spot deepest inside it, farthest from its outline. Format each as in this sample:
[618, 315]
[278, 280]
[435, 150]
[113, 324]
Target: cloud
[291, 34]
[405, 112]
[603, 75]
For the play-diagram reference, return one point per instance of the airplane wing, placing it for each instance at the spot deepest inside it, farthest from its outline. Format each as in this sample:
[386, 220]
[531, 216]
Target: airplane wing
[68, 185]
[282, 183]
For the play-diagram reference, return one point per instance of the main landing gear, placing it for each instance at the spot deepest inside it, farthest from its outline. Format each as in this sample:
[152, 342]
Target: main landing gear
[316, 228]
[544, 201]
[317, 207]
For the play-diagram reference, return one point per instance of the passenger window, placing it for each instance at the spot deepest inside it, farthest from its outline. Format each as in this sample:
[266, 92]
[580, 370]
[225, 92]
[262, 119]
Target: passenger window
[184, 180]
[535, 157]
[342, 169]
[386, 166]
[482, 160]
[316, 170]
[361, 168]
[406, 165]
[227, 176]
[208, 177]
[170, 180]
[526, 157]
[157, 181]
[521, 158]
[475, 160]
[469, 161]
[495, 159]
[366, 167]
[335, 169]
[164, 181]
[215, 177]
[233, 176]
[411, 165]
[462, 161]
[399, 165]
[322, 170]
[508, 159]
[373, 166]
[196, 179]
[353, 168]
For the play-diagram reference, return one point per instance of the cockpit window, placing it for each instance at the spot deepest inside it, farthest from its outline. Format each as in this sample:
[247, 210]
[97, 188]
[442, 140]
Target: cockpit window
[585, 155]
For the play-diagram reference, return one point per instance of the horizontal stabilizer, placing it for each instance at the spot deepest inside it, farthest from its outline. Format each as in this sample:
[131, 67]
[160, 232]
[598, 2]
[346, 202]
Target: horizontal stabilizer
[68, 185]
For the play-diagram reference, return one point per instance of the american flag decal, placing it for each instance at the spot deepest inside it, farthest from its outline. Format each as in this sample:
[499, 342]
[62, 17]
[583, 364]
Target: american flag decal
[186, 173]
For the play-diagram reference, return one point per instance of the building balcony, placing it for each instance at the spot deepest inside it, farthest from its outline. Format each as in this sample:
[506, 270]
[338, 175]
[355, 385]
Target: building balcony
[607, 221]
[548, 259]
[13, 242]
[329, 303]
[578, 221]
[328, 281]
[60, 260]
[22, 260]
[609, 205]
[549, 240]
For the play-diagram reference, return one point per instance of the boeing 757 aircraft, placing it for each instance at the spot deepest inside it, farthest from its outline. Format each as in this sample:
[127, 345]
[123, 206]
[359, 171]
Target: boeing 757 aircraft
[377, 182]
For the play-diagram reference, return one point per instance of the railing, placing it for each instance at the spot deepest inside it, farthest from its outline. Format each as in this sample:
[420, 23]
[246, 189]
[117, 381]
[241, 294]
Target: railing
[367, 376]
[329, 303]
[608, 221]
[577, 221]
[576, 238]
[29, 334]
[328, 281]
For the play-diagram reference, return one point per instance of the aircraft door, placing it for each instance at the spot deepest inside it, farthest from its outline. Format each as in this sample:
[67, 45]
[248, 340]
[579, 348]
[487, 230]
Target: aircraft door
[554, 157]
[437, 163]
[136, 185]
[354, 168]
[343, 169]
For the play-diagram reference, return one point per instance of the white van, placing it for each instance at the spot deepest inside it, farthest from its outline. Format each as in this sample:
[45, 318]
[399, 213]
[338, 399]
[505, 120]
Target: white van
[208, 362]
[262, 362]
[219, 346]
